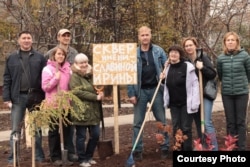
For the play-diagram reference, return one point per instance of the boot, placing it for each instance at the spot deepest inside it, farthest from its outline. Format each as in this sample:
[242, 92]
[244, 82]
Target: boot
[213, 141]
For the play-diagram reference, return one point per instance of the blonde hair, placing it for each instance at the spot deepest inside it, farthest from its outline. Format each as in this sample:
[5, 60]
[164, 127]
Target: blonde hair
[142, 28]
[225, 50]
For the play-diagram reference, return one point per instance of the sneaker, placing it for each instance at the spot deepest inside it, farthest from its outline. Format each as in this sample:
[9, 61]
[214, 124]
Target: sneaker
[57, 163]
[69, 163]
[92, 162]
[137, 155]
[85, 164]
[164, 154]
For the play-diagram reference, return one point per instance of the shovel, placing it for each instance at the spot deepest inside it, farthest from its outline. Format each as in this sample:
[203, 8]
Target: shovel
[64, 153]
[15, 147]
[202, 108]
[130, 161]
[105, 147]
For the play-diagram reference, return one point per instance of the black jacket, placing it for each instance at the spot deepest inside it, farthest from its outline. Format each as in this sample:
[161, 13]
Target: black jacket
[13, 71]
[208, 71]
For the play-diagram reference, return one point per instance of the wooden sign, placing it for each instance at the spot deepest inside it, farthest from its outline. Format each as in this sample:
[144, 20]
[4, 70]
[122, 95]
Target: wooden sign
[114, 64]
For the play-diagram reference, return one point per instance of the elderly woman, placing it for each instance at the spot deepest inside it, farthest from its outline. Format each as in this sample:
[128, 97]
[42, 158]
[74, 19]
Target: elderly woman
[90, 112]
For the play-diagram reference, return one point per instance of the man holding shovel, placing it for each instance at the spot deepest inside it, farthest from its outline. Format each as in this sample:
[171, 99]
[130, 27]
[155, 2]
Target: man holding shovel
[151, 59]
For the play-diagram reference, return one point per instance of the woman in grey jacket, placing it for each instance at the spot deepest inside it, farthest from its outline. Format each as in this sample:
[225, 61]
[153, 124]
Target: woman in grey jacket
[181, 93]
[233, 67]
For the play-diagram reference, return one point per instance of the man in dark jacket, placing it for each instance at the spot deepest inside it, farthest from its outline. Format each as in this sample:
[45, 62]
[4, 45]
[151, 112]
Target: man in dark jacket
[23, 70]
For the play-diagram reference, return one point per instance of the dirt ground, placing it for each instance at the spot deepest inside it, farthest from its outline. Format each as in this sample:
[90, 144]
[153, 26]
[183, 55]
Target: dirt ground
[151, 154]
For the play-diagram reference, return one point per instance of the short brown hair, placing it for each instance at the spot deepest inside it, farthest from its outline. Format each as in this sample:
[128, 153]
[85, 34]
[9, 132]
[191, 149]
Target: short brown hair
[178, 49]
[24, 32]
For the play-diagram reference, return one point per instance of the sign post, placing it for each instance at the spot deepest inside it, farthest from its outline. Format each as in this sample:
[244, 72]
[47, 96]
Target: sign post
[115, 64]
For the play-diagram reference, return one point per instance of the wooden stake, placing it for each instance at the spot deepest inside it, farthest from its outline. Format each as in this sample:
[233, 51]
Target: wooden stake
[116, 124]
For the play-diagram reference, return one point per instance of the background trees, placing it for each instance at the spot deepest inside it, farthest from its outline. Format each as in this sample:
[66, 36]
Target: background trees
[98, 21]
[106, 21]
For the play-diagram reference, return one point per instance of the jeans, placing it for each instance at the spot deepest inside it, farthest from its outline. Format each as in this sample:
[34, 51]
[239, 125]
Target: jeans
[85, 153]
[182, 120]
[235, 111]
[139, 116]
[209, 127]
[17, 118]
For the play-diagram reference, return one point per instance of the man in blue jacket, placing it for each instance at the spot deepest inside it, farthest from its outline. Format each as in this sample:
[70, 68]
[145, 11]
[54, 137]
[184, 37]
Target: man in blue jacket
[150, 62]
[23, 70]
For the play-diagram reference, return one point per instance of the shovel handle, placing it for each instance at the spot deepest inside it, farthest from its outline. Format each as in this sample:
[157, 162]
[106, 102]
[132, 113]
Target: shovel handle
[149, 108]
[202, 104]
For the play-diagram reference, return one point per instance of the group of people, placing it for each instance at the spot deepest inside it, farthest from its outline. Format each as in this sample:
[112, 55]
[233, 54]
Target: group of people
[62, 69]
[181, 91]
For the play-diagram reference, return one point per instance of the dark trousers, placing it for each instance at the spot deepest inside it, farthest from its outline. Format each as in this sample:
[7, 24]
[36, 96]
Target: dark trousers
[235, 111]
[85, 150]
[182, 120]
[70, 144]
[197, 121]
[54, 141]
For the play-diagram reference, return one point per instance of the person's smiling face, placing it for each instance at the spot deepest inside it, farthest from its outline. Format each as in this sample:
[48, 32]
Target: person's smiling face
[64, 38]
[25, 41]
[174, 56]
[59, 56]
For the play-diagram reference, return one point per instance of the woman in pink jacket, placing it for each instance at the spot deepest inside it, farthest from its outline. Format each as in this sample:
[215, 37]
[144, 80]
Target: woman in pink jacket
[55, 77]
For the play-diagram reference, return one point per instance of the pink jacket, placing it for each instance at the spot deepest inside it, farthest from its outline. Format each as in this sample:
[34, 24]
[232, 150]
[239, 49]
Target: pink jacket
[50, 83]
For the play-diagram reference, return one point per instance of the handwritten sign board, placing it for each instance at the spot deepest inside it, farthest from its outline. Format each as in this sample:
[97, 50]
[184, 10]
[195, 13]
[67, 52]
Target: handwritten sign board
[114, 64]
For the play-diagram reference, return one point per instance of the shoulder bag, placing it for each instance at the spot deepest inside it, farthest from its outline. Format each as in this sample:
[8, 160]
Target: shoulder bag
[210, 89]
[35, 96]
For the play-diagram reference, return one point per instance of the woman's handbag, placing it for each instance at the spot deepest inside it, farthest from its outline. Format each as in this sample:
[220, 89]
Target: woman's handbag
[210, 89]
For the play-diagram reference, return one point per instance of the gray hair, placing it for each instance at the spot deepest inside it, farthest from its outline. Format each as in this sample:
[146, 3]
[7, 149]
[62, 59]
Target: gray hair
[80, 57]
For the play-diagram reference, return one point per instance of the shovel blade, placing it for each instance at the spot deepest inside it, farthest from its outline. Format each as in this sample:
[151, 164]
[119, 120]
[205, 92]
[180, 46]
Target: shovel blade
[105, 149]
[64, 157]
[130, 161]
